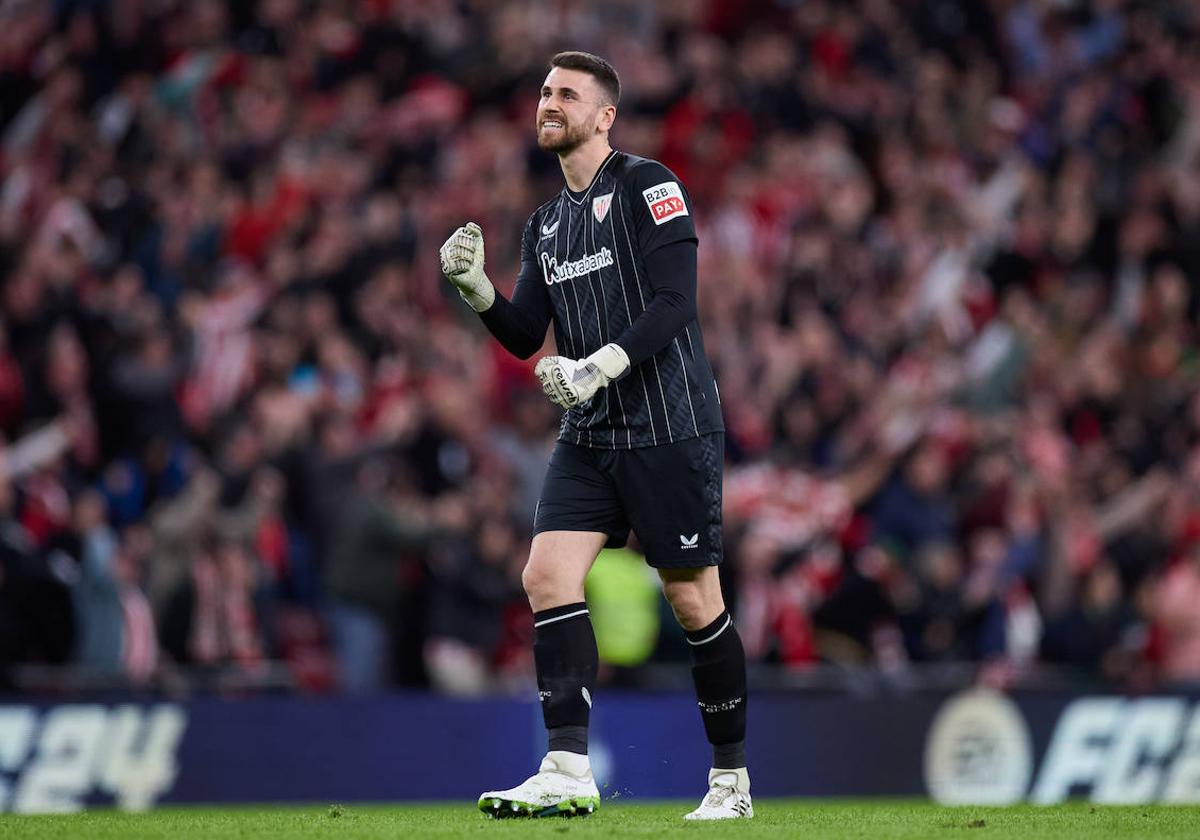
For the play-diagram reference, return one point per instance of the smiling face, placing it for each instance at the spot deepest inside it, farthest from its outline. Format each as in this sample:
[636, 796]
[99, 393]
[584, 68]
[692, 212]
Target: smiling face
[573, 110]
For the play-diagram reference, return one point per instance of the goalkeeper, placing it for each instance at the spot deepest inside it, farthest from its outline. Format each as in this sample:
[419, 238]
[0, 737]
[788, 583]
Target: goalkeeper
[611, 261]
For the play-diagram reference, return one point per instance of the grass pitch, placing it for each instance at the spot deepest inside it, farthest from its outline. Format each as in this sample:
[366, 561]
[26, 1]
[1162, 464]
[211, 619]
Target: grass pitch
[773, 820]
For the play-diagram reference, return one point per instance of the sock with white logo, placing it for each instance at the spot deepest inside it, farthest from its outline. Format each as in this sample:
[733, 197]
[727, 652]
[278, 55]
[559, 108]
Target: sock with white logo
[564, 650]
[719, 672]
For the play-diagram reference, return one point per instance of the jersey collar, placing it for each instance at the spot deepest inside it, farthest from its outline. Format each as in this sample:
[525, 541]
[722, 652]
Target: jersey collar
[583, 195]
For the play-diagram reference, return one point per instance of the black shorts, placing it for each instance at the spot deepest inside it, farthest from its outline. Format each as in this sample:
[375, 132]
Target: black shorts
[670, 495]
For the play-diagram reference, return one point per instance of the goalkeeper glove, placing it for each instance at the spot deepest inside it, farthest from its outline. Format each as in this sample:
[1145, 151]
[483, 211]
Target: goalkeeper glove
[568, 382]
[462, 263]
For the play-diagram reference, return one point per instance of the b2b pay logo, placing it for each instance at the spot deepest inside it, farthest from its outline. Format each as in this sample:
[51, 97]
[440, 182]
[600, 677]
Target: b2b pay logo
[665, 201]
[53, 760]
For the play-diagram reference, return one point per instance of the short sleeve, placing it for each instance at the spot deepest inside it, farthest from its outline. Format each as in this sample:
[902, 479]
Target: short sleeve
[662, 209]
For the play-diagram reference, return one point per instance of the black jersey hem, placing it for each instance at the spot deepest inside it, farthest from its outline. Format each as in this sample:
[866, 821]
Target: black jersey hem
[603, 438]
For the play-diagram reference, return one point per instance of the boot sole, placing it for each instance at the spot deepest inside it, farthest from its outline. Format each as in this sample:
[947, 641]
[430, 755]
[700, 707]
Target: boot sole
[504, 809]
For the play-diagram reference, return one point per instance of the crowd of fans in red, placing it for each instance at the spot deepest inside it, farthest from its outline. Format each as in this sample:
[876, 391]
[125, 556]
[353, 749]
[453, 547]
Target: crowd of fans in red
[948, 270]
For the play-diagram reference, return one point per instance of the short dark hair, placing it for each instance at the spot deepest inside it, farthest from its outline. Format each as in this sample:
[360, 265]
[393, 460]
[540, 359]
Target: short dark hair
[594, 66]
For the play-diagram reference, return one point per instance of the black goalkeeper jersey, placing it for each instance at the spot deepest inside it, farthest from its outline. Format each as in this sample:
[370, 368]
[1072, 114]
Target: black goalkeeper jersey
[584, 264]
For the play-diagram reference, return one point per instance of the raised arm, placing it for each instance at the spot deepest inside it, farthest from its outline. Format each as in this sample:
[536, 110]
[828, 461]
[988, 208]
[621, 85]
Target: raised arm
[518, 324]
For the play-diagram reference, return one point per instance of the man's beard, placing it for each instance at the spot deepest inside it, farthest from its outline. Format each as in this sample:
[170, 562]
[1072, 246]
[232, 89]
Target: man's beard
[570, 138]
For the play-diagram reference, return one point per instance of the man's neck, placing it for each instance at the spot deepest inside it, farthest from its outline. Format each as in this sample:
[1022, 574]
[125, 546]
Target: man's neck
[580, 164]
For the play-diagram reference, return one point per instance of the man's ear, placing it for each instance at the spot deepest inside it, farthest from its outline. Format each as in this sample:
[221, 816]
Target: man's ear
[608, 115]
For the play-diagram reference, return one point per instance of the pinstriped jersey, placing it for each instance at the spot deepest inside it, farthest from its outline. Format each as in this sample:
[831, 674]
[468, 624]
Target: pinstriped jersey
[589, 249]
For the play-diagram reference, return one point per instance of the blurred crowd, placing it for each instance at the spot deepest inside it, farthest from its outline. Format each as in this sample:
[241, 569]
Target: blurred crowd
[948, 270]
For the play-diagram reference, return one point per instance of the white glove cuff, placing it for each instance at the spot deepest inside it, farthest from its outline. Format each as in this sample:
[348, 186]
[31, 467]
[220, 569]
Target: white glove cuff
[611, 359]
[482, 297]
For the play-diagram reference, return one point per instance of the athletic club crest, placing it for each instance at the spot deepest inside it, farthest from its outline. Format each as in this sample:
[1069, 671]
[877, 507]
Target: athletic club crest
[600, 205]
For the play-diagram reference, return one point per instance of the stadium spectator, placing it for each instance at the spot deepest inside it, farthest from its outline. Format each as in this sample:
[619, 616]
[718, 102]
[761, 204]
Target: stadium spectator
[471, 585]
[365, 578]
[1175, 611]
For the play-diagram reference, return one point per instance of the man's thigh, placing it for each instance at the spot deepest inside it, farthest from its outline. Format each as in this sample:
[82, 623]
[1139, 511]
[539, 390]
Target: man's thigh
[672, 496]
[579, 494]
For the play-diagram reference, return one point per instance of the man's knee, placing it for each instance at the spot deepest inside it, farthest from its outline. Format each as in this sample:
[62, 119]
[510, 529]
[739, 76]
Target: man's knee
[537, 581]
[694, 606]
[558, 564]
[547, 586]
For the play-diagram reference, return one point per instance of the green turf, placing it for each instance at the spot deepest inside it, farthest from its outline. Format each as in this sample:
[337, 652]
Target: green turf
[775, 819]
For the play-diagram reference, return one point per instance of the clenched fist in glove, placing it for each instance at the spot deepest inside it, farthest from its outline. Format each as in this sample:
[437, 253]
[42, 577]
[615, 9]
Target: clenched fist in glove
[462, 263]
[568, 382]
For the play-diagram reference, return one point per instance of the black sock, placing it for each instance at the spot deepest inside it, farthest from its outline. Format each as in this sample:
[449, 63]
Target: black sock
[564, 650]
[719, 672]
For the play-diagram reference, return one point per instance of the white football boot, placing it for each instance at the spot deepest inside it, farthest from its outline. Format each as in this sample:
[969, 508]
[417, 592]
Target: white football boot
[728, 797]
[562, 786]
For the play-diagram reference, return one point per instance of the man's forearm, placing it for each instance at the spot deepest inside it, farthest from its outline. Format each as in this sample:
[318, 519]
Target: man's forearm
[672, 270]
[520, 331]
